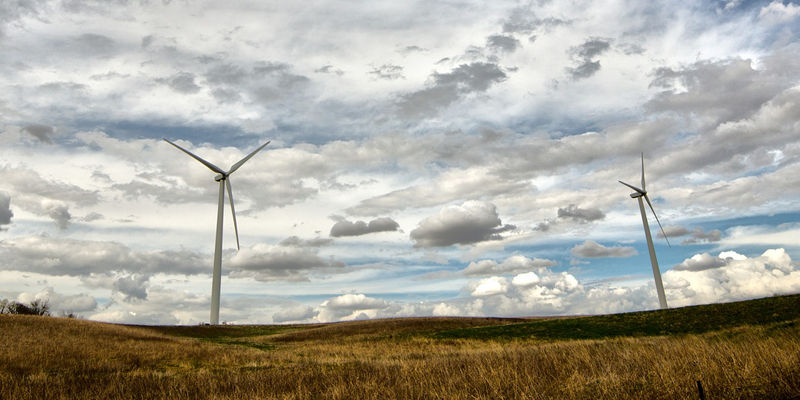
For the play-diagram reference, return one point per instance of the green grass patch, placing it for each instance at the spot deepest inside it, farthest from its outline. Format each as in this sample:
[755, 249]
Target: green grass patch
[676, 321]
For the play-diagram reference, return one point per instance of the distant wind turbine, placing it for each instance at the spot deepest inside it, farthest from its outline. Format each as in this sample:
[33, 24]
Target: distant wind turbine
[224, 180]
[639, 194]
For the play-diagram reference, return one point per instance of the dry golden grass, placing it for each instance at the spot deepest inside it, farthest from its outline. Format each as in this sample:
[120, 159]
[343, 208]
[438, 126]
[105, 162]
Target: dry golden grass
[51, 358]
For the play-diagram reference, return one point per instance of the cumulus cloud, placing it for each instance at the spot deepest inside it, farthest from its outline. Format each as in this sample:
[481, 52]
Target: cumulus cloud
[32, 188]
[581, 215]
[58, 211]
[469, 223]
[511, 265]
[778, 13]
[731, 277]
[129, 287]
[490, 286]
[545, 292]
[350, 306]
[296, 314]
[358, 228]
[60, 302]
[700, 262]
[592, 249]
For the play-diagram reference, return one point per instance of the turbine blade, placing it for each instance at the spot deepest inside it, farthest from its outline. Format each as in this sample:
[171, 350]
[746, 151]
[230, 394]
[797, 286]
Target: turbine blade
[634, 188]
[233, 211]
[659, 222]
[204, 162]
[244, 160]
[643, 185]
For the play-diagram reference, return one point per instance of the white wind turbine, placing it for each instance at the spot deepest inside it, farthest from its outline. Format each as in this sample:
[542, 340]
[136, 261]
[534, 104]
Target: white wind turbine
[224, 180]
[639, 194]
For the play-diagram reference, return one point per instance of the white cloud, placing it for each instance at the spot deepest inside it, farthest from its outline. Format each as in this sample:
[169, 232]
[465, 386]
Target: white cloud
[350, 306]
[296, 314]
[778, 13]
[78, 303]
[512, 265]
[731, 277]
[490, 286]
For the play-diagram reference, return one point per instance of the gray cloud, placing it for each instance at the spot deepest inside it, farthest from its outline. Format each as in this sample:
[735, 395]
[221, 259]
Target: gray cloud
[453, 185]
[524, 21]
[147, 41]
[469, 223]
[295, 241]
[388, 72]
[5, 209]
[260, 83]
[585, 69]
[54, 256]
[94, 45]
[584, 54]
[287, 261]
[502, 43]
[591, 48]
[581, 215]
[592, 249]
[673, 231]
[31, 188]
[358, 228]
[328, 69]
[182, 82]
[449, 87]
[702, 87]
[130, 287]
[59, 212]
[698, 235]
[41, 131]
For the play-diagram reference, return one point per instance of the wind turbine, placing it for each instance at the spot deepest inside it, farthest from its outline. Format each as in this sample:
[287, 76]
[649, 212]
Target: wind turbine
[224, 181]
[639, 194]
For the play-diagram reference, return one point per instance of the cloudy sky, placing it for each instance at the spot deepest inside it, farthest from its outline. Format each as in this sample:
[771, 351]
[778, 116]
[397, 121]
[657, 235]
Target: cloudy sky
[426, 158]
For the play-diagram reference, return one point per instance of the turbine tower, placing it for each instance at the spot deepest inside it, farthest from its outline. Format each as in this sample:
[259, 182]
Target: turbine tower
[224, 181]
[639, 194]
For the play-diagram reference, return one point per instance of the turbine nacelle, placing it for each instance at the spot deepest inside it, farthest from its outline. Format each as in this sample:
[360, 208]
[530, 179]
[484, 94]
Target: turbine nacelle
[219, 177]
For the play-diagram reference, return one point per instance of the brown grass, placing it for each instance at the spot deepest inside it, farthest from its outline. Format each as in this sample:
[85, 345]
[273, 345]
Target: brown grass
[50, 358]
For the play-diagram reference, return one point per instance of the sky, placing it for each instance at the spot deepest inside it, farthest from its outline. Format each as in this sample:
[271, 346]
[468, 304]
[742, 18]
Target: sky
[426, 158]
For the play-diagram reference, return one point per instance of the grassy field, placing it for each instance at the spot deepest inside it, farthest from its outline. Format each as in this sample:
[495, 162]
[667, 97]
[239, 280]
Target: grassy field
[737, 350]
